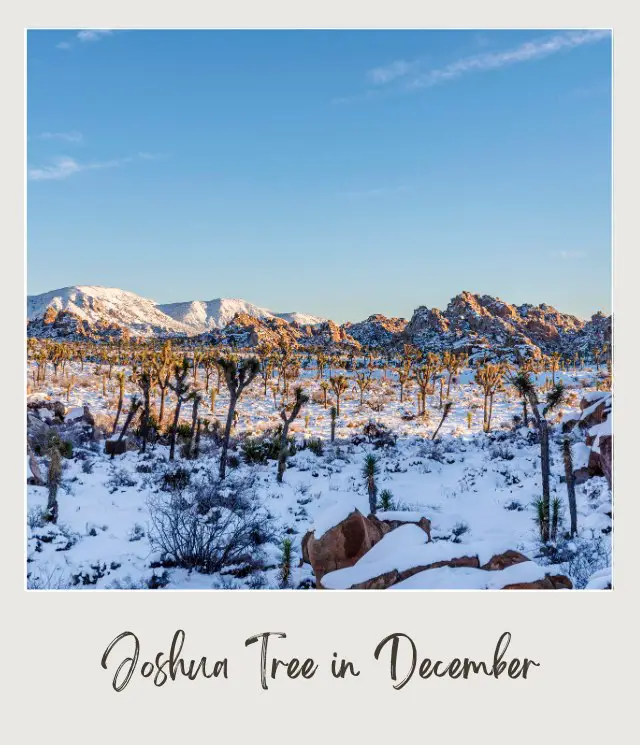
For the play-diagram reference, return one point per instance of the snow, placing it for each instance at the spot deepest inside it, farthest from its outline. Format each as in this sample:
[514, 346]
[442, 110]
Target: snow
[391, 556]
[77, 412]
[477, 490]
[601, 580]
[468, 578]
[407, 517]
[339, 511]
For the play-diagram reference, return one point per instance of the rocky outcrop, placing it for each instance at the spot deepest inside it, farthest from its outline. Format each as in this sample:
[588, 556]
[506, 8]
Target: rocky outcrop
[342, 545]
[377, 331]
[595, 455]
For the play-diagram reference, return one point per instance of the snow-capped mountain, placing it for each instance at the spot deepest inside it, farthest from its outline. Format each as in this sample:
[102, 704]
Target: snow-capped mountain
[144, 317]
[204, 315]
[106, 304]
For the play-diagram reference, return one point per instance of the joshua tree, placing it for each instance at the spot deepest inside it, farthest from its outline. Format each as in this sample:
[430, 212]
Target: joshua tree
[489, 377]
[369, 473]
[554, 363]
[521, 381]
[363, 381]
[423, 379]
[321, 361]
[554, 399]
[334, 416]
[325, 385]
[162, 370]
[197, 357]
[145, 383]
[445, 413]
[54, 476]
[339, 385]
[237, 376]
[120, 377]
[404, 374]
[299, 401]
[181, 388]
[571, 485]
[453, 364]
[196, 397]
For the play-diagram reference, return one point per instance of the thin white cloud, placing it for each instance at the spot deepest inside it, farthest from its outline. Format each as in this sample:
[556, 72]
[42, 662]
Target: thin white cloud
[63, 167]
[93, 34]
[571, 254]
[86, 35]
[414, 76]
[65, 136]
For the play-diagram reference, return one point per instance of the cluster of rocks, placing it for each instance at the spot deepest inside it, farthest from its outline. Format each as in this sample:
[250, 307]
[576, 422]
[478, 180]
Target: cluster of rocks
[474, 324]
[347, 545]
[593, 456]
[51, 421]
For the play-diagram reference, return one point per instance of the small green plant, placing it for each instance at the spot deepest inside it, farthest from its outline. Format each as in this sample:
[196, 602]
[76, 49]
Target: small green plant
[316, 446]
[386, 500]
[285, 563]
[369, 473]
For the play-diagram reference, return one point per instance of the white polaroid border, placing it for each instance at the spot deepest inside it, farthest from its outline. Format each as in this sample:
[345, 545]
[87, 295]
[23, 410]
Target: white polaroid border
[55, 689]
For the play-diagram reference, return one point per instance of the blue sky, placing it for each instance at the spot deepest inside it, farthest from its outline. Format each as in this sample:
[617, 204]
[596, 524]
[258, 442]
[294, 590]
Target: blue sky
[339, 173]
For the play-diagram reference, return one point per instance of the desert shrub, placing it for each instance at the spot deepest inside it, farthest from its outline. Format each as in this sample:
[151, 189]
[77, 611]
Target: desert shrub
[184, 430]
[379, 435]
[254, 451]
[233, 461]
[136, 533]
[459, 529]
[88, 465]
[175, 479]
[120, 479]
[36, 518]
[582, 557]
[514, 506]
[211, 525]
[316, 446]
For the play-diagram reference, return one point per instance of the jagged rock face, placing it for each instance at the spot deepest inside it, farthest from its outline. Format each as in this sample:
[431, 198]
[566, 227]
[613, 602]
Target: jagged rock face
[63, 324]
[327, 334]
[478, 322]
[376, 331]
[248, 331]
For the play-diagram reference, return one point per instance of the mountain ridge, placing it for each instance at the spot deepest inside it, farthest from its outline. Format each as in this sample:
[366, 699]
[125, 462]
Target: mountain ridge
[470, 321]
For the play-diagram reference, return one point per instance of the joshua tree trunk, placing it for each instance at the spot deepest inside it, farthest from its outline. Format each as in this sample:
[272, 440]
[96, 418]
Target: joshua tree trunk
[524, 411]
[571, 487]
[445, 414]
[545, 468]
[227, 434]
[53, 481]
[194, 425]
[300, 400]
[174, 430]
[135, 405]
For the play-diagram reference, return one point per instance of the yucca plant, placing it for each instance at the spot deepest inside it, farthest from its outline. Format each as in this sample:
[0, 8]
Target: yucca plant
[286, 563]
[386, 500]
[369, 473]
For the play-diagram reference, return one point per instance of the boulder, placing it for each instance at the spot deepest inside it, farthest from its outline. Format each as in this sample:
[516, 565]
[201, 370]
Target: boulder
[59, 410]
[550, 582]
[386, 580]
[504, 560]
[606, 455]
[342, 545]
[389, 524]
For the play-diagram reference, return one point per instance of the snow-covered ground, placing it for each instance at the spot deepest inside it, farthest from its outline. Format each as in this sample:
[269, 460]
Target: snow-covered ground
[476, 488]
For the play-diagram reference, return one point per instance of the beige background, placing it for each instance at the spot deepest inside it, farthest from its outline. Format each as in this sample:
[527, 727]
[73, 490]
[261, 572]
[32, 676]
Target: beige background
[54, 690]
